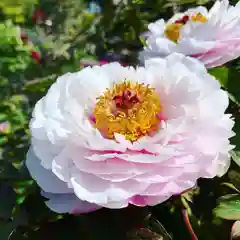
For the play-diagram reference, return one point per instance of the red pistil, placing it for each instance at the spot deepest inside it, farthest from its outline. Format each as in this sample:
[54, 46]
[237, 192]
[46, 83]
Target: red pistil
[126, 100]
[183, 20]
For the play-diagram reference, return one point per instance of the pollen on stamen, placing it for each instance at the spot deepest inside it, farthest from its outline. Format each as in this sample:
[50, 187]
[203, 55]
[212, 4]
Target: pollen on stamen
[199, 18]
[130, 109]
[172, 31]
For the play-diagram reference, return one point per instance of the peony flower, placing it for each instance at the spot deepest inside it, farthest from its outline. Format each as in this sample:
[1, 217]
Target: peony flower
[4, 127]
[110, 136]
[211, 36]
[36, 56]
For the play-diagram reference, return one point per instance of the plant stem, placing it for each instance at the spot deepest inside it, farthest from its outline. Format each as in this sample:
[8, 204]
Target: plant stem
[188, 225]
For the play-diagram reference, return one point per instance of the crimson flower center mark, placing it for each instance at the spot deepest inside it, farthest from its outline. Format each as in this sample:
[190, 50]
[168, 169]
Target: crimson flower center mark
[126, 100]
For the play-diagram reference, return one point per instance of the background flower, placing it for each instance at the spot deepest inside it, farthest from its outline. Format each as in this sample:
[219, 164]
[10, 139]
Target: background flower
[112, 135]
[211, 36]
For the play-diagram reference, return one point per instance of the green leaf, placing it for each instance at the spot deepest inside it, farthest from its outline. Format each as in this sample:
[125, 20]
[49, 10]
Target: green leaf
[221, 74]
[233, 84]
[19, 19]
[236, 157]
[235, 178]
[3, 140]
[40, 83]
[231, 186]
[201, 2]
[13, 10]
[143, 41]
[3, 116]
[236, 140]
[233, 99]
[181, 2]
[8, 172]
[228, 207]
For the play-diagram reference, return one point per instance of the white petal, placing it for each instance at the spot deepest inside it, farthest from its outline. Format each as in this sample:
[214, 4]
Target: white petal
[68, 203]
[95, 190]
[44, 178]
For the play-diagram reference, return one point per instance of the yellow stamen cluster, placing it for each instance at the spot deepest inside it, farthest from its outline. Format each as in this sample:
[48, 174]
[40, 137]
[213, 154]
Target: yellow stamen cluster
[130, 109]
[199, 18]
[172, 31]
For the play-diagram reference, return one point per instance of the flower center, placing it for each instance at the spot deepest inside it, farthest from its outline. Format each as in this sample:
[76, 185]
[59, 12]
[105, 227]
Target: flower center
[130, 109]
[172, 31]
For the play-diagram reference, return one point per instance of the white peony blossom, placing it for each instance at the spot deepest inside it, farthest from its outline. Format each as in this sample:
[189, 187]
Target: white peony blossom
[211, 36]
[109, 136]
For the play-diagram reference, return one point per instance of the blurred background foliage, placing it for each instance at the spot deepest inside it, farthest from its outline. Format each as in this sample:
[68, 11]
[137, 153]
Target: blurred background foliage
[41, 39]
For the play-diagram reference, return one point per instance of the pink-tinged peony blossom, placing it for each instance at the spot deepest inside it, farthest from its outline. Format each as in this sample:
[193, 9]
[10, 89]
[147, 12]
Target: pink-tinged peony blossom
[4, 127]
[211, 36]
[110, 136]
